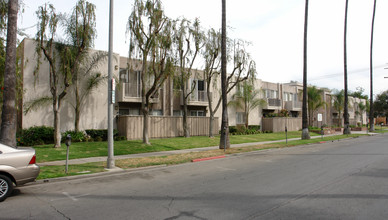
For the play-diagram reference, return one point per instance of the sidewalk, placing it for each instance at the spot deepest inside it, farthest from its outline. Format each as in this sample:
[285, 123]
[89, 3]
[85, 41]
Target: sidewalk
[166, 153]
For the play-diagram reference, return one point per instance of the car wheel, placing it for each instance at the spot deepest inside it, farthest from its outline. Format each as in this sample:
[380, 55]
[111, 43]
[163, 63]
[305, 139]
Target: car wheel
[6, 187]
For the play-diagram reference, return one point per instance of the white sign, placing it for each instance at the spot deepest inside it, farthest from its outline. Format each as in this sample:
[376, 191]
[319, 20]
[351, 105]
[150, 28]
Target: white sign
[319, 117]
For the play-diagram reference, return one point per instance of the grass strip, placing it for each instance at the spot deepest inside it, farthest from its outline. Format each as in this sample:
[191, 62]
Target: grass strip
[78, 150]
[59, 171]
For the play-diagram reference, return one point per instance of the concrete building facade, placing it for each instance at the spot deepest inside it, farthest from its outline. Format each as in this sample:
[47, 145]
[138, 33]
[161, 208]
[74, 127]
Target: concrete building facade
[167, 101]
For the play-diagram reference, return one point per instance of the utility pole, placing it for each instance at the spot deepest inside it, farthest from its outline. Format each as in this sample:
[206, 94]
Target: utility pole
[111, 160]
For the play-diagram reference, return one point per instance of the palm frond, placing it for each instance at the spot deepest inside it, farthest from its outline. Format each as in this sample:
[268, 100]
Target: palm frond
[37, 103]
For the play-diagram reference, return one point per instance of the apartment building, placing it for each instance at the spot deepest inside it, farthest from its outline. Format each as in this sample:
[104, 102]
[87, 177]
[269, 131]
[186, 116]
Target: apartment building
[166, 101]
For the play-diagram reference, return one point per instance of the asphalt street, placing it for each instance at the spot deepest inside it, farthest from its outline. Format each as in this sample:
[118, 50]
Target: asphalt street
[336, 180]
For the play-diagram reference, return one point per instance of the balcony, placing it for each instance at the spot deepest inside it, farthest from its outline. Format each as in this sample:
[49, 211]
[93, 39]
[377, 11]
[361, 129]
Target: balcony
[131, 92]
[273, 104]
[197, 98]
[293, 106]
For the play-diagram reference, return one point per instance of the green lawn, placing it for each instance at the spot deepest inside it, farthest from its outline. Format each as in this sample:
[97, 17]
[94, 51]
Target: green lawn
[95, 149]
[88, 168]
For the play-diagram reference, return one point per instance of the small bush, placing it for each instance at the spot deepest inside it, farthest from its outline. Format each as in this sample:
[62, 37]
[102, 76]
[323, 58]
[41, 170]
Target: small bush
[75, 136]
[120, 138]
[35, 136]
[100, 134]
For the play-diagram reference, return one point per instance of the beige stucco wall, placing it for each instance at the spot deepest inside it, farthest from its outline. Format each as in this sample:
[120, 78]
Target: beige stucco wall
[94, 111]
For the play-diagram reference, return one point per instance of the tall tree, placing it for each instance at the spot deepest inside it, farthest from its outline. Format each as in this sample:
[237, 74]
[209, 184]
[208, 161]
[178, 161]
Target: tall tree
[224, 140]
[212, 58]
[8, 116]
[188, 40]
[151, 41]
[339, 104]
[244, 68]
[81, 32]
[381, 104]
[371, 105]
[247, 98]
[305, 128]
[346, 100]
[47, 27]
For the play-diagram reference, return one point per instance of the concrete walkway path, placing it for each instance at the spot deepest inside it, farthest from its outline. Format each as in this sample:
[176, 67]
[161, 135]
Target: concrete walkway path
[166, 153]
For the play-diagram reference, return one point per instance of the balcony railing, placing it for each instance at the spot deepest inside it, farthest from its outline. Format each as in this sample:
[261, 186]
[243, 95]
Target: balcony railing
[131, 92]
[196, 98]
[274, 102]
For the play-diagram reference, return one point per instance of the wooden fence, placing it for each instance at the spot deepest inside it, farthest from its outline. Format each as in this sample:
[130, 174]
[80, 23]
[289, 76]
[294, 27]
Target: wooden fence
[163, 126]
[279, 124]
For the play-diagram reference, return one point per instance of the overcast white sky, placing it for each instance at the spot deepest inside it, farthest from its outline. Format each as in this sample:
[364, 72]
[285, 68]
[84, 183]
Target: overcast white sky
[275, 29]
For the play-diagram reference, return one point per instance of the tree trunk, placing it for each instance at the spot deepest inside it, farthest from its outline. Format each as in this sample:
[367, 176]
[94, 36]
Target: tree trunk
[224, 140]
[8, 116]
[145, 126]
[77, 110]
[371, 110]
[346, 111]
[305, 129]
[211, 122]
[57, 130]
[186, 132]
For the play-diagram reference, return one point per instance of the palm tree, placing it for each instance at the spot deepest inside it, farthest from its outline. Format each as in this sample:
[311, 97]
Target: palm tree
[371, 112]
[361, 110]
[246, 98]
[346, 110]
[224, 140]
[339, 104]
[305, 129]
[8, 116]
[315, 101]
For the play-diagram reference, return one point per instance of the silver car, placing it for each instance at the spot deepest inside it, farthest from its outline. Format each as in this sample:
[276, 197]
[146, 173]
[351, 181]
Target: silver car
[17, 167]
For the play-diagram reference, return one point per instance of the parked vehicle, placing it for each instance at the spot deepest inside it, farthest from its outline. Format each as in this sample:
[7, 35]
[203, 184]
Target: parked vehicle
[17, 167]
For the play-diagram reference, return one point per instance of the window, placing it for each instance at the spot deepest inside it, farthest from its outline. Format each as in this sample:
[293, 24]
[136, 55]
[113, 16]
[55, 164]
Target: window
[196, 113]
[129, 111]
[178, 113]
[240, 118]
[271, 94]
[158, 112]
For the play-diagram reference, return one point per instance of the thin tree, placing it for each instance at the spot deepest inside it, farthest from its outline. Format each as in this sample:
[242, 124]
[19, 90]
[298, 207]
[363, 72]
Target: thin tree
[151, 41]
[212, 58]
[91, 80]
[247, 98]
[339, 104]
[188, 39]
[346, 99]
[224, 140]
[305, 128]
[360, 111]
[244, 68]
[371, 105]
[47, 27]
[8, 116]
[81, 32]
[315, 101]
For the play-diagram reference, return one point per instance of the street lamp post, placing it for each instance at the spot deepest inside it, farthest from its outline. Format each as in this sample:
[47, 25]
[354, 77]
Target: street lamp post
[111, 160]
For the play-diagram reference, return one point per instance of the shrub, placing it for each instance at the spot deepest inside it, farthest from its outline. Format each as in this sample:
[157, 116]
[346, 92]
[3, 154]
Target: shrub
[100, 134]
[35, 136]
[75, 136]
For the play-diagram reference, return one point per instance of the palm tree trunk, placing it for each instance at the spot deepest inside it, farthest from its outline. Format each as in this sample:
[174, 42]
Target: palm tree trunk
[305, 129]
[8, 115]
[224, 140]
[346, 110]
[371, 110]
